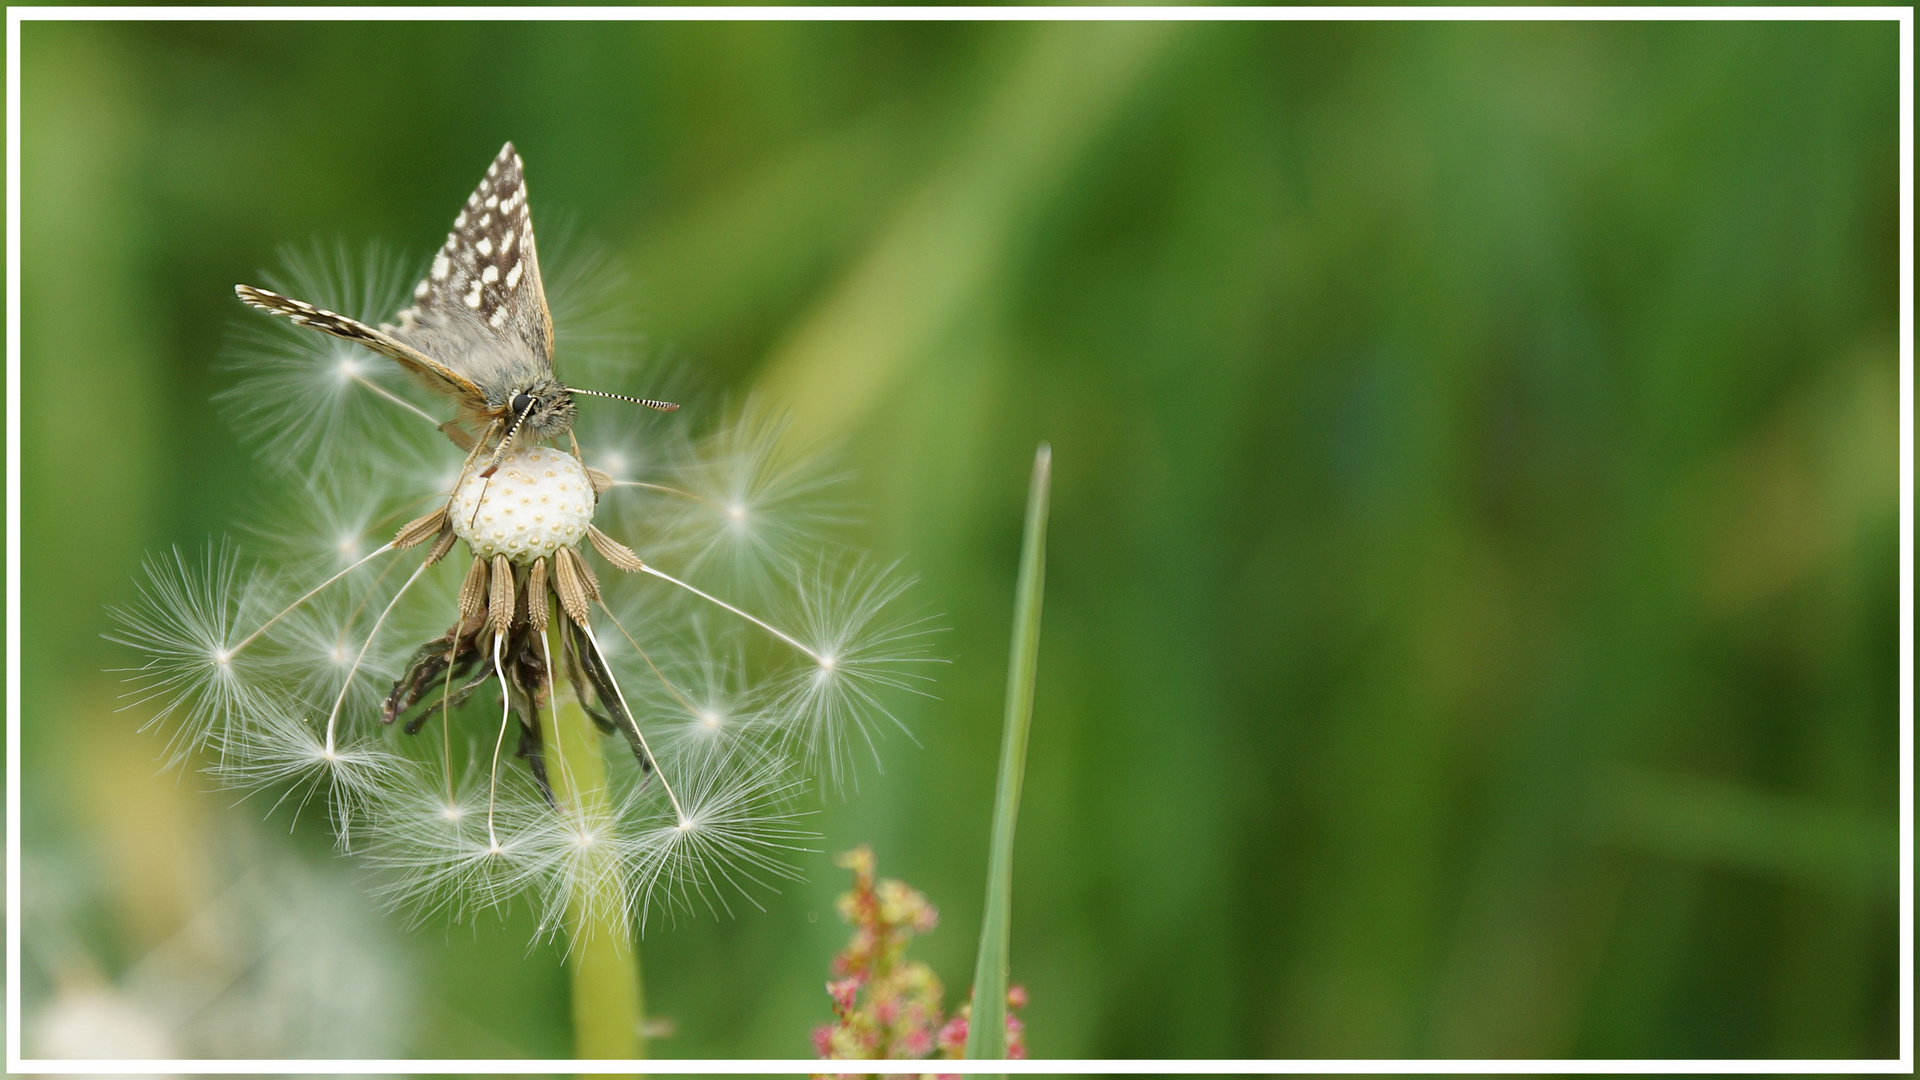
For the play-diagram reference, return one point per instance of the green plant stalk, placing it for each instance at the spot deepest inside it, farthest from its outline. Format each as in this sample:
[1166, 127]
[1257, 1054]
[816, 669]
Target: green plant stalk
[987, 1030]
[608, 1008]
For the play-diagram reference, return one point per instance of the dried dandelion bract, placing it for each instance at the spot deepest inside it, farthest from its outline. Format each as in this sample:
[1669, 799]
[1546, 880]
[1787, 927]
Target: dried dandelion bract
[443, 593]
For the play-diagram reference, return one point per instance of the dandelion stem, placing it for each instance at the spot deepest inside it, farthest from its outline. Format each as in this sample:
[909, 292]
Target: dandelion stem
[346, 684]
[608, 1003]
[761, 623]
[311, 593]
[987, 1029]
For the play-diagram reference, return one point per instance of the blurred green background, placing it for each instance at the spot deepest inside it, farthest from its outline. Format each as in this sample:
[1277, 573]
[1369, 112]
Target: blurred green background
[1471, 614]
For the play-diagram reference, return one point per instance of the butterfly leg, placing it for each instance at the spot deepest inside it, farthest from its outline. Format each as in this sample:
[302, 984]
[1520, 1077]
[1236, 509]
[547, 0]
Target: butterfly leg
[466, 466]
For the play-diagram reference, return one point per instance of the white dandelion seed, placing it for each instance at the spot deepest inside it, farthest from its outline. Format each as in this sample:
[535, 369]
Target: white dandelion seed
[318, 403]
[435, 853]
[733, 507]
[187, 624]
[736, 837]
[848, 616]
[291, 756]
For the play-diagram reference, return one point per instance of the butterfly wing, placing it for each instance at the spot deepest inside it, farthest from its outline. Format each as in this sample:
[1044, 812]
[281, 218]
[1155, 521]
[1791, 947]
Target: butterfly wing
[437, 376]
[482, 306]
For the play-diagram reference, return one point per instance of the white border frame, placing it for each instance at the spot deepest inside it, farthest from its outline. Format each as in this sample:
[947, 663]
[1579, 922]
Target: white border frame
[1902, 15]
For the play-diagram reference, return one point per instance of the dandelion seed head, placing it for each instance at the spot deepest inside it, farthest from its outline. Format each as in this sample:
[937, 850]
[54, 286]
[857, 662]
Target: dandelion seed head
[284, 674]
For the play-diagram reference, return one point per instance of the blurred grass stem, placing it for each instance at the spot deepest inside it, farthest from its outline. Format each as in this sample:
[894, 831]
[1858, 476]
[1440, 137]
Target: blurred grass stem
[987, 1031]
[608, 1006]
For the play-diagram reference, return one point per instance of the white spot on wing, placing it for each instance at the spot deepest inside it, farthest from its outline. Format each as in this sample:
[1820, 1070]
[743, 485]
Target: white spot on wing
[473, 296]
[440, 267]
[490, 275]
[485, 246]
[513, 277]
[499, 316]
[420, 290]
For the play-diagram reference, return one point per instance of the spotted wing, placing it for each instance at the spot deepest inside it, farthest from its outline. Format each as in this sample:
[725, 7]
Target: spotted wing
[482, 307]
[437, 376]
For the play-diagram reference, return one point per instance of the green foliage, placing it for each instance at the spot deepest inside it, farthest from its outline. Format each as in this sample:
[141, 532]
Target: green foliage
[1472, 597]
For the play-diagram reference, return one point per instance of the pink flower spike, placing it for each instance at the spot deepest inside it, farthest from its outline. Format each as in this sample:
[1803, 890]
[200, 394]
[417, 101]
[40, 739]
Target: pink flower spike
[1017, 996]
[823, 1041]
[842, 991]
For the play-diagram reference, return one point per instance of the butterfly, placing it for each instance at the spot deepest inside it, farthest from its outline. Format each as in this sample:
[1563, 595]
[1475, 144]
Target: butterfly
[479, 331]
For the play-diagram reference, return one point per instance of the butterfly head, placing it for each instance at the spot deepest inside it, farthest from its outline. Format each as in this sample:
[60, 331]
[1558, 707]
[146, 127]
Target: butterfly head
[543, 409]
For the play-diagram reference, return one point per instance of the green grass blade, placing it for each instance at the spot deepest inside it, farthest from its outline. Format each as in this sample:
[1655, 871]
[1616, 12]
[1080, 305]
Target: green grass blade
[987, 1034]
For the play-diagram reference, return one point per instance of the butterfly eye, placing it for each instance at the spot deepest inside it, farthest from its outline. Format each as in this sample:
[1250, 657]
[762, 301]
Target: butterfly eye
[521, 403]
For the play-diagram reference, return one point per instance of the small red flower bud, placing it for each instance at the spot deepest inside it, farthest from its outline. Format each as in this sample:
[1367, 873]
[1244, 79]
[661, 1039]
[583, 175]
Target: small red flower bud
[954, 1034]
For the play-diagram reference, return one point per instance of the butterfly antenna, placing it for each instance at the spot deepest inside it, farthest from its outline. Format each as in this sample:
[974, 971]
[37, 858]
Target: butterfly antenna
[663, 406]
[506, 441]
